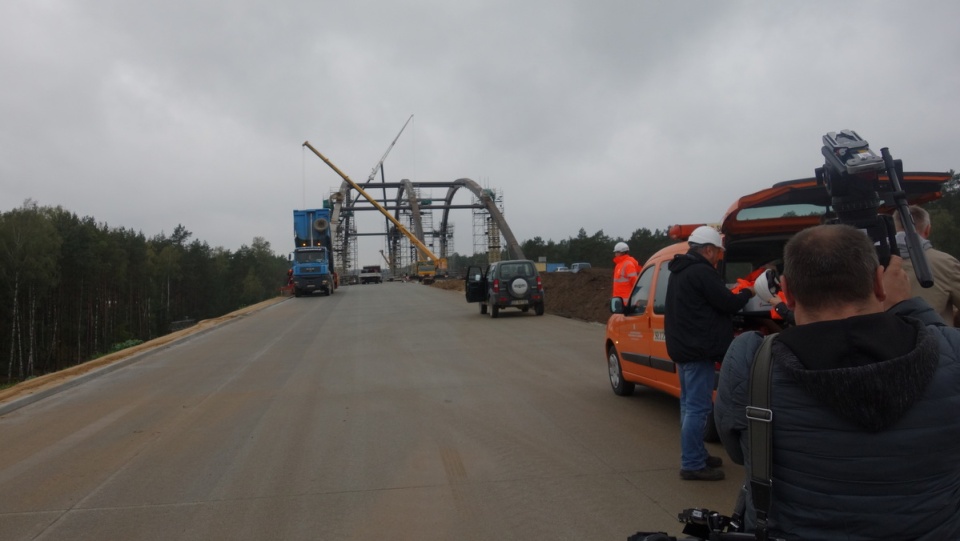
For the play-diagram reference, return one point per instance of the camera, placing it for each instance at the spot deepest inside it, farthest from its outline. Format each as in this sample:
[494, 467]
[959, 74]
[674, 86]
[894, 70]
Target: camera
[851, 175]
[706, 524]
[702, 525]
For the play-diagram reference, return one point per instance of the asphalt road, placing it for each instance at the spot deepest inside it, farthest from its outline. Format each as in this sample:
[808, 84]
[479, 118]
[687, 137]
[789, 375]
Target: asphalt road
[392, 411]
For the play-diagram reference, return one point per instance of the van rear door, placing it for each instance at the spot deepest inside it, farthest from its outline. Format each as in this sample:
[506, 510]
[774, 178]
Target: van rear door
[793, 205]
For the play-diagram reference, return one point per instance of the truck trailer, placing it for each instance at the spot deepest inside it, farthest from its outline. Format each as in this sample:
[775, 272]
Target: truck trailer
[312, 257]
[371, 274]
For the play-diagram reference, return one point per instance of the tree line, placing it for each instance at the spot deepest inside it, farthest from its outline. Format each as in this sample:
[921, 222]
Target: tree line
[74, 289]
[596, 249]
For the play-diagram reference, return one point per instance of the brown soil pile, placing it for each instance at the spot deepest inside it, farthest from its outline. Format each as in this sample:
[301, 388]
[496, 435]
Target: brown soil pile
[584, 295]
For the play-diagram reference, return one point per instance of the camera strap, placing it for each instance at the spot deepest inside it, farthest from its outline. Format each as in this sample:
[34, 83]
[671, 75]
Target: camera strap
[760, 430]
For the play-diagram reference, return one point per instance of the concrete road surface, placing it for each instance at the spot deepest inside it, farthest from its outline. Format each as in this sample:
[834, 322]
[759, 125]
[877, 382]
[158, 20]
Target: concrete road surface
[392, 411]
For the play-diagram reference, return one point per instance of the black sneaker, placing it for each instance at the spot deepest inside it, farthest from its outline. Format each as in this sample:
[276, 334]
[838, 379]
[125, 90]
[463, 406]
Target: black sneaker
[706, 474]
[714, 462]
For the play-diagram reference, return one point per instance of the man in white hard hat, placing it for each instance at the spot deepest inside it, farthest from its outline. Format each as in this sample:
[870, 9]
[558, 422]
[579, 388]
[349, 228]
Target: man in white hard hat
[699, 327]
[625, 271]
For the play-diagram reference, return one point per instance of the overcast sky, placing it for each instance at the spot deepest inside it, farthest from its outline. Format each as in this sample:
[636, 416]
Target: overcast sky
[609, 115]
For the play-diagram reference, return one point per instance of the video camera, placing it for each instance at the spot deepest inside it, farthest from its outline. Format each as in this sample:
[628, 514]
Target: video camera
[702, 525]
[851, 176]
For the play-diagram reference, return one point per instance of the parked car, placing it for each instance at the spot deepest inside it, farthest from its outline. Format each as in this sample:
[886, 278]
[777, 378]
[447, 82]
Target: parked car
[506, 284]
[561, 269]
[754, 230]
[577, 267]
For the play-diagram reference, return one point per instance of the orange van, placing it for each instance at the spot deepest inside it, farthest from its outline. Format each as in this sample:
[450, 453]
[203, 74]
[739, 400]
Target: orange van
[754, 231]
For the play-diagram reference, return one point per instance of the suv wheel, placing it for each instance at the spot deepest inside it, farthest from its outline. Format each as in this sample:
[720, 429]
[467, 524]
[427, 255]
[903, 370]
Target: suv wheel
[538, 309]
[494, 310]
[483, 308]
[620, 386]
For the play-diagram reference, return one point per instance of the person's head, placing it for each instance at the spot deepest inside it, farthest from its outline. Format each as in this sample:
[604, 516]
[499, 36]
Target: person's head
[621, 248]
[832, 269]
[705, 240]
[921, 220]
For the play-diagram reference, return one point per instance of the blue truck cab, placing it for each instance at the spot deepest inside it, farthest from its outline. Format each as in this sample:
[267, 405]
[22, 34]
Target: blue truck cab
[312, 257]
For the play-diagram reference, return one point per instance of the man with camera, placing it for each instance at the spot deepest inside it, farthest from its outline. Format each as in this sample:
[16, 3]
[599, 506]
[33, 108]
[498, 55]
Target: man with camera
[864, 393]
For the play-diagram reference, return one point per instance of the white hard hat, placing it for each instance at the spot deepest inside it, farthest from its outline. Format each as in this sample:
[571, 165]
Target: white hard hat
[706, 235]
[767, 285]
[620, 248]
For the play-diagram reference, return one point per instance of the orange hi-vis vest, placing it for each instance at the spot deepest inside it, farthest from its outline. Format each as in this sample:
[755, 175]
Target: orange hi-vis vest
[625, 275]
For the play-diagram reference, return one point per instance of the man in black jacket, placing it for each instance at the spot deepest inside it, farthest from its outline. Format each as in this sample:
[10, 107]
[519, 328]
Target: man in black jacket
[864, 396]
[699, 326]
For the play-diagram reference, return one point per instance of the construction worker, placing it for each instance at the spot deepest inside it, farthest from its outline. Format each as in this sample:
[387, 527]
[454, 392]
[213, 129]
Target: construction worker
[625, 271]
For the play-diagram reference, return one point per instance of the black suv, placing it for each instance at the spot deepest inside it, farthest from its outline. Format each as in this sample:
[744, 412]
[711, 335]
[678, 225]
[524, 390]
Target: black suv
[506, 284]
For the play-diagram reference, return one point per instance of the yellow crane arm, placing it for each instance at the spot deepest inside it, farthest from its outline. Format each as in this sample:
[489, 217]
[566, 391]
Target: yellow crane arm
[413, 238]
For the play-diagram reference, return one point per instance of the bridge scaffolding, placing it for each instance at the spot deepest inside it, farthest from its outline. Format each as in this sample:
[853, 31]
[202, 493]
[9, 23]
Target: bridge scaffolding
[486, 230]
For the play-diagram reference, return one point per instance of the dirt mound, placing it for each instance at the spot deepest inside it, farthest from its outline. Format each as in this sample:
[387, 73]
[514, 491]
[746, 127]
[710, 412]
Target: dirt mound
[584, 295]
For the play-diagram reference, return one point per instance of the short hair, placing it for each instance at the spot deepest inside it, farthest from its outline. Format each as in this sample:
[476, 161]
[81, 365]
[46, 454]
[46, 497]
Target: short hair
[921, 218]
[699, 248]
[828, 265]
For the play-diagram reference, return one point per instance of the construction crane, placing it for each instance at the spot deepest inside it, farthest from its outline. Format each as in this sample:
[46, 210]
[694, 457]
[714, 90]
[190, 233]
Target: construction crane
[373, 174]
[387, 261]
[428, 263]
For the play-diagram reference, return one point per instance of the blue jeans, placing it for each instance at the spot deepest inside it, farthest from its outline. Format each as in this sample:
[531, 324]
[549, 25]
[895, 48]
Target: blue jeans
[696, 403]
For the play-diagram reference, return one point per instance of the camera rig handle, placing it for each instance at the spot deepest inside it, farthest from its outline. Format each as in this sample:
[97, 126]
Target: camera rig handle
[920, 265]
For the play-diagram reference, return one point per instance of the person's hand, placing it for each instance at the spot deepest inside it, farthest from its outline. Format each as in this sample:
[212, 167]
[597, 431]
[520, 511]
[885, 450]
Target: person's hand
[896, 283]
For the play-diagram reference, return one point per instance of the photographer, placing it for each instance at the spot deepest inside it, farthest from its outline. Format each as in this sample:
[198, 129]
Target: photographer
[866, 436]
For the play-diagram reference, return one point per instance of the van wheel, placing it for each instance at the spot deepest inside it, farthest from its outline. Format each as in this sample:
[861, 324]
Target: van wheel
[620, 386]
[710, 433]
[483, 309]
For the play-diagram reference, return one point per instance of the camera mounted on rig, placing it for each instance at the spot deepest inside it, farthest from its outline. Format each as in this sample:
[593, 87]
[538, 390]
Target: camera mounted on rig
[852, 177]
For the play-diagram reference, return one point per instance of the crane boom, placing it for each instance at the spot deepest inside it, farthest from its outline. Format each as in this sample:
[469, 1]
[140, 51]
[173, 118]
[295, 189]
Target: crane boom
[413, 238]
[384, 256]
[373, 173]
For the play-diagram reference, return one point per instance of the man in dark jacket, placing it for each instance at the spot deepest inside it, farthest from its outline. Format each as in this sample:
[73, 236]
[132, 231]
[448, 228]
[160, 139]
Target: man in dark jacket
[866, 436]
[698, 323]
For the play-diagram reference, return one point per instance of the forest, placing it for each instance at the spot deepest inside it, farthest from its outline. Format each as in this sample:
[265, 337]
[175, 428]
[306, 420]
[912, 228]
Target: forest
[73, 289]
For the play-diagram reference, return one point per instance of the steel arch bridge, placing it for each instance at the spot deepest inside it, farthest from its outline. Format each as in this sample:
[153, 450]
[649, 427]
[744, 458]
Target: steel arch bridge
[346, 201]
